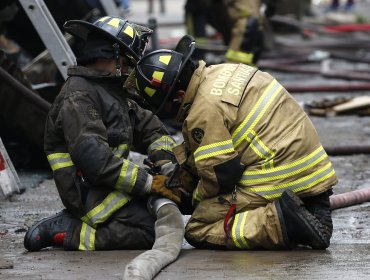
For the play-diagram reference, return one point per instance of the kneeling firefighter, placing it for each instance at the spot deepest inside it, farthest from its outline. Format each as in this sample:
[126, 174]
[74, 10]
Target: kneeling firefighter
[90, 130]
[264, 178]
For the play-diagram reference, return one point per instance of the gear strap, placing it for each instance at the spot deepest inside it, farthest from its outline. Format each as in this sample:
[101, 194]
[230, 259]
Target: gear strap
[230, 214]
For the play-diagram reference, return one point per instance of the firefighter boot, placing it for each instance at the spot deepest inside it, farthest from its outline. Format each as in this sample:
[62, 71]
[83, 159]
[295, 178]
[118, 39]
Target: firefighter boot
[50, 231]
[319, 206]
[299, 225]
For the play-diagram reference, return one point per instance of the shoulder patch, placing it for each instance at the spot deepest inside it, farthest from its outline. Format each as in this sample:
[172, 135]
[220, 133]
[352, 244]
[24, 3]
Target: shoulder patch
[93, 113]
[197, 135]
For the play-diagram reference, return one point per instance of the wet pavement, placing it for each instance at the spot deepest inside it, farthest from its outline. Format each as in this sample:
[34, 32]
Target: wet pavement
[347, 258]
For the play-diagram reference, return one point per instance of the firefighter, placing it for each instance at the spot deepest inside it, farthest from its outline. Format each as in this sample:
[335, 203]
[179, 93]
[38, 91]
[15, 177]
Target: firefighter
[246, 34]
[89, 132]
[239, 21]
[264, 178]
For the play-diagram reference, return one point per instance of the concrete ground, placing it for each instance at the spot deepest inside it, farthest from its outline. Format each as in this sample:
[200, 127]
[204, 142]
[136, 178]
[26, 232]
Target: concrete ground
[347, 258]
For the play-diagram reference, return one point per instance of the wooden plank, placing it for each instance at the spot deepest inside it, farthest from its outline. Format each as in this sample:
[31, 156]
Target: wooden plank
[359, 102]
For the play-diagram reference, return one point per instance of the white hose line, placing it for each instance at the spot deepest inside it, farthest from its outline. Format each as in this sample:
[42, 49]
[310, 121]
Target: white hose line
[169, 232]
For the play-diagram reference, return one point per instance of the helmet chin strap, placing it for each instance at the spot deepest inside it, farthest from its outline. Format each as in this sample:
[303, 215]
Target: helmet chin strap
[117, 57]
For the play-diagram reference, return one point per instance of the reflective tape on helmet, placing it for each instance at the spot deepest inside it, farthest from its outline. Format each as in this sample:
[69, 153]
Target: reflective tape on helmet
[114, 22]
[129, 31]
[149, 91]
[158, 75]
[165, 59]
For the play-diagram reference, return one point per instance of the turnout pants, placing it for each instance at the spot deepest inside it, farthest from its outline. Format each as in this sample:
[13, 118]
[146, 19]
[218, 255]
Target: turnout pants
[255, 225]
[130, 227]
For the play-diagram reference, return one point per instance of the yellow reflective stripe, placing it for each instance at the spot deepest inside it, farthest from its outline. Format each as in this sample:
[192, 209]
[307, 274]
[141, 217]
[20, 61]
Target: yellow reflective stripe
[158, 75]
[213, 149]
[149, 91]
[165, 143]
[120, 150]
[129, 31]
[59, 160]
[260, 149]
[284, 171]
[238, 230]
[103, 19]
[256, 113]
[114, 22]
[99, 214]
[87, 238]
[240, 56]
[300, 184]
[165, 59]
[197, 196]
[127, 177]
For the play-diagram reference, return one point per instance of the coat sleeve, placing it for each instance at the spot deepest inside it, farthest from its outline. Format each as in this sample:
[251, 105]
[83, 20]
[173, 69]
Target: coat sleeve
[216, 161]
[87, 141]
[150, 134]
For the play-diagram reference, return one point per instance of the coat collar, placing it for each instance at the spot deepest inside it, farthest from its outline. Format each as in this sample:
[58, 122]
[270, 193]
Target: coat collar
[191, 92]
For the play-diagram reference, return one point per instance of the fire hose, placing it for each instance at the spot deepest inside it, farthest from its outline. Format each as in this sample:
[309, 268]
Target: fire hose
[350, 198]
[169, 232]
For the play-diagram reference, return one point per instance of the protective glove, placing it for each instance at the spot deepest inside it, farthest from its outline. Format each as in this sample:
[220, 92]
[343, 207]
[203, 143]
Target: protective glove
[159, 187]
[161, 162]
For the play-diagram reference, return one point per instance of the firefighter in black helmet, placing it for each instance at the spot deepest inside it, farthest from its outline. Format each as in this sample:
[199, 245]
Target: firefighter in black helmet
[89, 132]
[262, 178]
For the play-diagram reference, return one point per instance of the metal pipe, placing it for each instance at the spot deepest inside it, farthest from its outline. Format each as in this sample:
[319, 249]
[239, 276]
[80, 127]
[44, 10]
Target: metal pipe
[350, 198]
[347, 150]
[24, 91]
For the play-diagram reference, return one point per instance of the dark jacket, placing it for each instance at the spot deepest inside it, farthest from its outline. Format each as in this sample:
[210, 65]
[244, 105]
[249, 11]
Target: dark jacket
[90, 130]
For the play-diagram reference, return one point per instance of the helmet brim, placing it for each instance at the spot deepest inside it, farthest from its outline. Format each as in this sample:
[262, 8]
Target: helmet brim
[82, 29]
[186, 47]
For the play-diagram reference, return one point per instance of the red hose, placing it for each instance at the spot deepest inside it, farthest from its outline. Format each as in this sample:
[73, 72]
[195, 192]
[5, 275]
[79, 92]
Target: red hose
[349, 198]
[347, 28]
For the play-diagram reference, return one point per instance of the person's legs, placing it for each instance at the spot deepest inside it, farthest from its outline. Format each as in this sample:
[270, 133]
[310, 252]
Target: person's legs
[131, 227]
[284, 223]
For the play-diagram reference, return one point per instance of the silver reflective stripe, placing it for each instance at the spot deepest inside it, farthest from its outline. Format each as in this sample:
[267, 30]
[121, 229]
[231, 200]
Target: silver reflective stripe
[261, 149]
[127, 177]
[87, 238]
[59, 160]
[165, 143]
[238, 230]
[256, 113]
[213, 150]
[120, 150]
[284, 171]
[297, 185]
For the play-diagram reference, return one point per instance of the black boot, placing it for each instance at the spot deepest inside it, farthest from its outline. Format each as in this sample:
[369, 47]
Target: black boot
[299, 225]
[319, 206]
[50, 231]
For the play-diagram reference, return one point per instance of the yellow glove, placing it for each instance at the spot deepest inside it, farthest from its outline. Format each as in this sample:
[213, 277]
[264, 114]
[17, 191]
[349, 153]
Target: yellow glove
[159, 187]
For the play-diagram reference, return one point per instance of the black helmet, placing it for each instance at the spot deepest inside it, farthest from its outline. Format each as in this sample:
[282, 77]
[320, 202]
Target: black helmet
[158, 72]
[131, 38]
